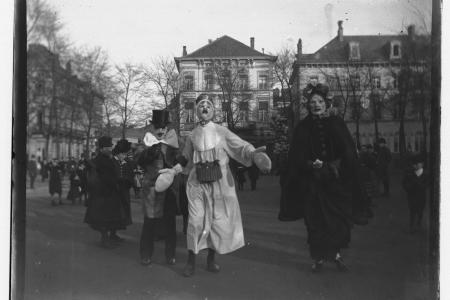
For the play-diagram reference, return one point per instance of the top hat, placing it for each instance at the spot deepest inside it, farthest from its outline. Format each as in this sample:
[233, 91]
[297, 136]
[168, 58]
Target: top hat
[105, 141]
[122, 146]
[160, 118]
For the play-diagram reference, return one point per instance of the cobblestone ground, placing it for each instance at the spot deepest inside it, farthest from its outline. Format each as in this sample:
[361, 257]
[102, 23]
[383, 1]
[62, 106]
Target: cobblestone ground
[64, 261]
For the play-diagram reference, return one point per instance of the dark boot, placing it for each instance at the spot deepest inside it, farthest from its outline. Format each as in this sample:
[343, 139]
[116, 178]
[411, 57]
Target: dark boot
[189, 269]
[211, 265]
[340, 263]
[316, 267]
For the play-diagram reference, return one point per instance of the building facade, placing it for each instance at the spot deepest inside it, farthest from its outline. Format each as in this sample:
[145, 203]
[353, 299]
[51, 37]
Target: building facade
[64, 113]
[239, 79]
[378, 84]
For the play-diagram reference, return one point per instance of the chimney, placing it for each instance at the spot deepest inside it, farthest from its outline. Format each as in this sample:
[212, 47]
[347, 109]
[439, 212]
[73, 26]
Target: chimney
[252, 42]
[411, 31]
[263, 50]
[184, 51]
[299, 50]
[340, 31]
[209, 41]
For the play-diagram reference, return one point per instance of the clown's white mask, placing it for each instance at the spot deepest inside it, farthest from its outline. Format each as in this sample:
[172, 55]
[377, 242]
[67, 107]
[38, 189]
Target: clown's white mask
[205, 110]
[159, 133]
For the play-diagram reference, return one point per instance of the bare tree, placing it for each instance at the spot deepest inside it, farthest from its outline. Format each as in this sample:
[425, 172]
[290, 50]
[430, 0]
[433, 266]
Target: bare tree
[282, 73]
[233, 81]
[131, 104]
[163, 75]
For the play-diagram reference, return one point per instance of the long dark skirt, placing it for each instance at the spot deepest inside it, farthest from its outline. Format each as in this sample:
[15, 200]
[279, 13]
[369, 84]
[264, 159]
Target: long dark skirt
[124, 190]
[106, 212]
[327, 218]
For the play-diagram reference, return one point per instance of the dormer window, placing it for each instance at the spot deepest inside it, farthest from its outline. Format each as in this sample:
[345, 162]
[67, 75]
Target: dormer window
[354, 51]
[396, 51]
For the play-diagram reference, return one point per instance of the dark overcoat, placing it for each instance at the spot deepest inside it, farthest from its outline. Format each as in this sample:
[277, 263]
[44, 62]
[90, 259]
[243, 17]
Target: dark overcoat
[152, 160]
[337, 177]
[105, 209]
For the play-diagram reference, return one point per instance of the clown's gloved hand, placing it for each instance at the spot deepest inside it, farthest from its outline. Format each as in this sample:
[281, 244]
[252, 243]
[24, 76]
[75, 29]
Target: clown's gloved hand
[166, 177]
[261, 159]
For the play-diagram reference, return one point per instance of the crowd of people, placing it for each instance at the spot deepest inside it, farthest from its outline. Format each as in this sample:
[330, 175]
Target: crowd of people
[325, 180]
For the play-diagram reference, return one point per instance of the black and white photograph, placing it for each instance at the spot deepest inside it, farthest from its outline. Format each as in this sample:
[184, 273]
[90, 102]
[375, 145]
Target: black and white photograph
[226, 150]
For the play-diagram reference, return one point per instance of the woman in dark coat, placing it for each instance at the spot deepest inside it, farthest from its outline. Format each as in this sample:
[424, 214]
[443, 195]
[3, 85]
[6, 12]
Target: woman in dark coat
[321, 185]
[54, 183]
[105, 210]
[124, 168]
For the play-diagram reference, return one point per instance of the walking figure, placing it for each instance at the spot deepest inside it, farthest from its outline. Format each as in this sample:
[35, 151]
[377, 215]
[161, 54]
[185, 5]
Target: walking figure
[415, 183]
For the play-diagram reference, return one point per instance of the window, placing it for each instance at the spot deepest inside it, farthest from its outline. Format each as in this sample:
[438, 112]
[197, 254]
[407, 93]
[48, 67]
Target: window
[188, 83]
[334, 83]
[263, 111]
[354, 82]
[243, 81]
[243, 111]
[377, 82]
[189, 107]
[263, 83]
[354, 51]
[209, 82]
[396, 51]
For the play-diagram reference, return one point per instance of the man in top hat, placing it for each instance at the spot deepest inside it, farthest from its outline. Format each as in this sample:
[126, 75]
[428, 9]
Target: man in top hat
[160, 207]
[105, 211]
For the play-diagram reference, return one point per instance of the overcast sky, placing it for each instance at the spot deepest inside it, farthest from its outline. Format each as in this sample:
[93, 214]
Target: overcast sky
[137, 30]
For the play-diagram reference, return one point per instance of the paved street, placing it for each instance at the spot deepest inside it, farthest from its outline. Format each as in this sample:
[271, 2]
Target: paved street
[64, 261]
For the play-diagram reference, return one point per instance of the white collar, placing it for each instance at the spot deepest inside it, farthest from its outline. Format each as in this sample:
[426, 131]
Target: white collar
[419, 172]
[170, 139]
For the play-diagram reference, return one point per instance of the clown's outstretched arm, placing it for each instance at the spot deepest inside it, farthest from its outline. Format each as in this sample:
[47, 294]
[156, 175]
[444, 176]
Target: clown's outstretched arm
[245, 153]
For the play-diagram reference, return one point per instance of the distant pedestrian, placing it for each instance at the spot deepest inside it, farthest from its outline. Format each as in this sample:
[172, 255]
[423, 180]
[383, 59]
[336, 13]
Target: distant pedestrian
[383, 160]
[44, 170]
[240, 177]
[32, 168]
[74, 193]
[253, 174]
[105, 211]
[415, 183]
[54, 183]
[368, 162]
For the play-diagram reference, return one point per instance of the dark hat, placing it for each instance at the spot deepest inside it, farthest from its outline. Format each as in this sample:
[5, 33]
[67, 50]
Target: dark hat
[105, 141]
[319, 89]
[160, 118]
[122, 146]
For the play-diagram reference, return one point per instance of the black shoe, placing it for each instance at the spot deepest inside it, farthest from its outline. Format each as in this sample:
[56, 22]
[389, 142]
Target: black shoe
[171, 261]
[189, 270]
[340, 265]
[116, 238]
[212, 267]
[145, 261]
[317, 266]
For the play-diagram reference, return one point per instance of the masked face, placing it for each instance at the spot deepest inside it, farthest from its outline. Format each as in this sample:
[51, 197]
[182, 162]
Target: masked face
[159, 133]
[205, 110]
[317, 105]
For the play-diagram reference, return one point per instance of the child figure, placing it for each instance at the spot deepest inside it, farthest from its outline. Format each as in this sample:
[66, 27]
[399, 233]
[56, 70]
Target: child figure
[415, 183]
